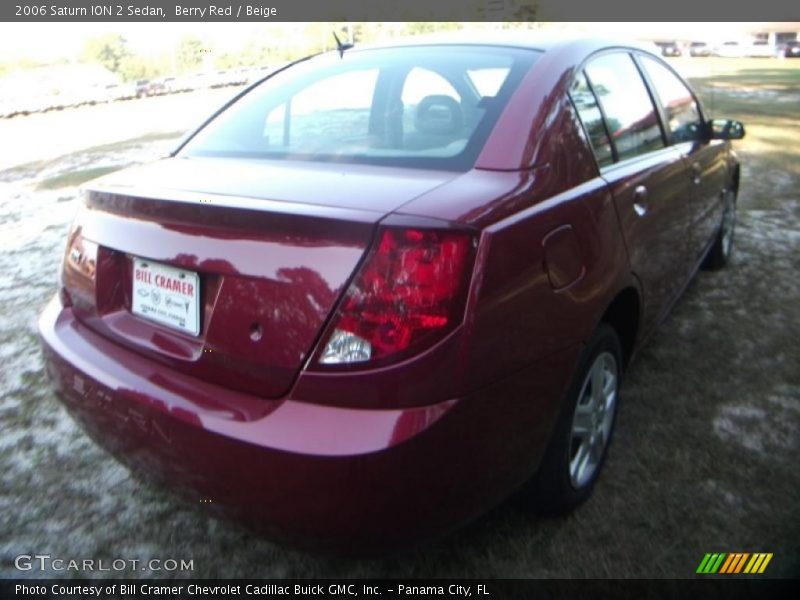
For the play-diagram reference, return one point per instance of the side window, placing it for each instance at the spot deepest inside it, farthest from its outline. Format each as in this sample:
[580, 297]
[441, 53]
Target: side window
[631, 118]
[680, 107]
[592, 119]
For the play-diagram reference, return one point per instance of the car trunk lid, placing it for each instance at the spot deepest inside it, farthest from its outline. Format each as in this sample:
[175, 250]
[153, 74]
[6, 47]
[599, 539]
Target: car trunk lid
[271, 263]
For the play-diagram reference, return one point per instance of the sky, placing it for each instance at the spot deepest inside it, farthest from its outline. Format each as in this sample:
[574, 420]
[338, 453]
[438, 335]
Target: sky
[50, 41]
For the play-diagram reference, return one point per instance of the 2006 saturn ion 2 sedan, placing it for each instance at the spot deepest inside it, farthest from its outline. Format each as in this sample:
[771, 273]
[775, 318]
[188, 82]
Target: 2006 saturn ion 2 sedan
[383, 289]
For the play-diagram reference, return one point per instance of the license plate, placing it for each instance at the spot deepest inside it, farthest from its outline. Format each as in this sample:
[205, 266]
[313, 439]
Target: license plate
[166, 295]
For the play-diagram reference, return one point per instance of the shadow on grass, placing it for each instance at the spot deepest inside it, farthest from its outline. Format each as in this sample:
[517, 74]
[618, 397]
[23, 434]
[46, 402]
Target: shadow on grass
[785, 80]
[73, 178]
[28, 169]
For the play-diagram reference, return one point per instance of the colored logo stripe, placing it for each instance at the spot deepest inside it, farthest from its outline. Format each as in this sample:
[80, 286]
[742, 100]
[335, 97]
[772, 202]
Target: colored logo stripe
[758, 563]
[710, 563]
[734, 563]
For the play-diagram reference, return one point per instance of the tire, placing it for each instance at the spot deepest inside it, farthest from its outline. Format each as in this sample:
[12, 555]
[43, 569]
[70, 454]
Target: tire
[576, 452]
[720, 253]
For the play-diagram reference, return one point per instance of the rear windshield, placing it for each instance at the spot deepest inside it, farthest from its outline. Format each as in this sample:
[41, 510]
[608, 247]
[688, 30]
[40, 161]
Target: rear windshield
[423, 107]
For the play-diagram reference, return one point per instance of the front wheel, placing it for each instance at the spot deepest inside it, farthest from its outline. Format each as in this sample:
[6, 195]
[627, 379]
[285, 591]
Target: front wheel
[576, 453]
[720, 253]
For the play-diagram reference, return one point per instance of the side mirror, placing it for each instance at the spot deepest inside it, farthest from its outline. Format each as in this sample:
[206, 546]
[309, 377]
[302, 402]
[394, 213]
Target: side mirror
[725, 129]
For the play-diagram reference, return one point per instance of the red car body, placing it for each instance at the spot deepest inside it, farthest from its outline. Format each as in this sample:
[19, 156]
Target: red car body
[243, 418]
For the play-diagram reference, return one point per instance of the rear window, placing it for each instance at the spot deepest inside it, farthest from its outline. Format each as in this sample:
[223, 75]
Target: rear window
[424, 107]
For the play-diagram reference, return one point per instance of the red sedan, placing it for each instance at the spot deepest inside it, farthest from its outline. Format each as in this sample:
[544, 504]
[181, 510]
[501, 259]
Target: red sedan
[382, 290]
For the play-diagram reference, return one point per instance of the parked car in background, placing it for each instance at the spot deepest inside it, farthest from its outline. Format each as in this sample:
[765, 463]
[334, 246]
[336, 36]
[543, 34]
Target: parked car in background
[669, 49]
[731, 49]
[382, 291]
[761, 49]
[141, 87]
[699, 49]
[145, 87]
[790, 50]
[121, 91]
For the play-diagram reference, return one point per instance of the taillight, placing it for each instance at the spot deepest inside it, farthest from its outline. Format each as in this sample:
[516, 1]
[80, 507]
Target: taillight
[78, 271]
[409, 294]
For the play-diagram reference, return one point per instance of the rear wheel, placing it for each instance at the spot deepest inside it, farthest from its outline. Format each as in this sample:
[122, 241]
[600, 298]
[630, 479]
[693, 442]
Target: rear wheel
[720, 253]
[578, 448]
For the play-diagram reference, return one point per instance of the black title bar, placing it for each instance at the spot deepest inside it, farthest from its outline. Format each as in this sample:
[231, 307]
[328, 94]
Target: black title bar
[712, 588]
[393, 10]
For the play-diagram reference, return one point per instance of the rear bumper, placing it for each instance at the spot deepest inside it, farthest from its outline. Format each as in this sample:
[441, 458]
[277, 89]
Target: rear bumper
[308, 475]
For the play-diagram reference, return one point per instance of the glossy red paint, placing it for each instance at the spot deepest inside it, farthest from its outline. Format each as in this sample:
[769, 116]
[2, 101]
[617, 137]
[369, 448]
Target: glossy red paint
[370, 457]
[321, 477]
[279, 272]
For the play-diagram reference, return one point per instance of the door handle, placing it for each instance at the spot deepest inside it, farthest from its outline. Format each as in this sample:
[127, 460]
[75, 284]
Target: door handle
[697, 171]
[640, 200]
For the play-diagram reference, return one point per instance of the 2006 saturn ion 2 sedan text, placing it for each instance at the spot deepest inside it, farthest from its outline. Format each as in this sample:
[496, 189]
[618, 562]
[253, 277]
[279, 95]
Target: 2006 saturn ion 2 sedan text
[381, 290]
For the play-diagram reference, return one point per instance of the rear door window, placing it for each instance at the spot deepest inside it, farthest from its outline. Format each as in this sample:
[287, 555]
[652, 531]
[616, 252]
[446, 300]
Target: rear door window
[630, 116]
[682, 114]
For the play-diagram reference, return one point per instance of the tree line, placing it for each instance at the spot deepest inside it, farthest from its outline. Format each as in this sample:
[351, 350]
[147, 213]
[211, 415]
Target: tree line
[192, 54]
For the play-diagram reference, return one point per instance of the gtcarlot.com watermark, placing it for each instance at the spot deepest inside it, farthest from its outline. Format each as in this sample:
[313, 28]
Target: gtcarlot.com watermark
[48, 563]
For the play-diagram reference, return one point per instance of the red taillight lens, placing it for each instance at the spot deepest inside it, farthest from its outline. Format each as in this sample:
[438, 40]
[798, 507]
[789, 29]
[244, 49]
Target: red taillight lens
[78, 271]
[409, 294]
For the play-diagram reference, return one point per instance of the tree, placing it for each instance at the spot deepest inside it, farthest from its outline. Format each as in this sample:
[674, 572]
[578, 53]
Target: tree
[135, 67]
[110, 50]
[421, 28]
[189, 54]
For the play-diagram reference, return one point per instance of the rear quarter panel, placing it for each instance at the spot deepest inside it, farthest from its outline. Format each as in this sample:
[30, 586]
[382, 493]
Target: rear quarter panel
[521, 314]
[522, 306]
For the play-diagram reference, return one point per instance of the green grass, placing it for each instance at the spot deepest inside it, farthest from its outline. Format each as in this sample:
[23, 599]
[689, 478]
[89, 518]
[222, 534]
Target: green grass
[31, 168]
[733, 88]
[137, 141]
[766, 100]
[73, 178]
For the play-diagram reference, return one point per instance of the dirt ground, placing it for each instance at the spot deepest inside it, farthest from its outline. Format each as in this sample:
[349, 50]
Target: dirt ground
[705, 453]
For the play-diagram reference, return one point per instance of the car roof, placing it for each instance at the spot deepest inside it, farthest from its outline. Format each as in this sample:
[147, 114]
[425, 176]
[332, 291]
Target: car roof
[516, 39]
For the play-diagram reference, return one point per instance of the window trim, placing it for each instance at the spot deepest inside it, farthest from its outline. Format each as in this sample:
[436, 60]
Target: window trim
[654, 99]
[654, 155]
[638, 56]
[587, 137]
[603, 118]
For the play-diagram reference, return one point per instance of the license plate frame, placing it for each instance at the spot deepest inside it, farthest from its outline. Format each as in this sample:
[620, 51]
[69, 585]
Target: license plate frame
[166, 295]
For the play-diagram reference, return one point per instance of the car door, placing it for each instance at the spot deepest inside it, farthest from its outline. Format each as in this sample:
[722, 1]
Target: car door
[648, 180]
[704, 158]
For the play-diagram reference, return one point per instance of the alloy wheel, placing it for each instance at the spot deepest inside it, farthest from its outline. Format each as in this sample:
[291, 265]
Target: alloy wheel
[593, 419]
